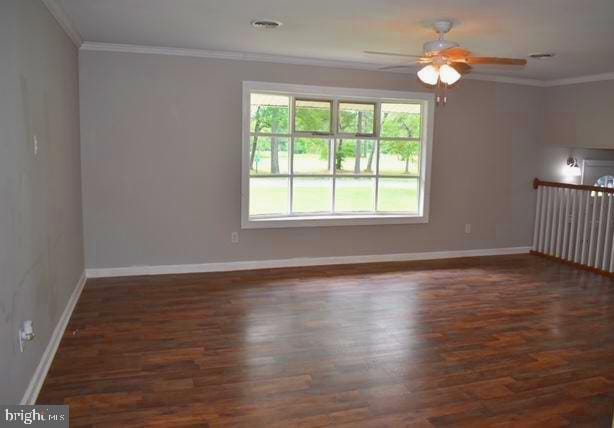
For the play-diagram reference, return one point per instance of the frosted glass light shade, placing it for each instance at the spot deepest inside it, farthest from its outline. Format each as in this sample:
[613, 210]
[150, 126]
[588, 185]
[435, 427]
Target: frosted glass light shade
[572, 171]
[429, 75]
[448, 74]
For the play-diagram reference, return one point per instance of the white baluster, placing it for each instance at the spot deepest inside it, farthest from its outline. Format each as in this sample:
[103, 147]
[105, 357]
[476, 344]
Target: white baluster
[537, 218]
[598, 248]
[566, 193]
[585, 232]
[555, 215]
[550, 191]
[571, 247]
[591, 245]
[576, 256]
[559, 221]
[607, 249]
[542, 220]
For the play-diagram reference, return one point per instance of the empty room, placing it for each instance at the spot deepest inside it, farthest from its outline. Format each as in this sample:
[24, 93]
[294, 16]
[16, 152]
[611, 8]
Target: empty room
[273, 213]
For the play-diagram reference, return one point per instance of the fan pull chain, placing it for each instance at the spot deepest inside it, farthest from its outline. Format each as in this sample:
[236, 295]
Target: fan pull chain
[441, 93]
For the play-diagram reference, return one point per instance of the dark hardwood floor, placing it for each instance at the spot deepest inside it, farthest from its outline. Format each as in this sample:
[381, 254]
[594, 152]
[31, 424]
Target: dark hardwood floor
[493, 341]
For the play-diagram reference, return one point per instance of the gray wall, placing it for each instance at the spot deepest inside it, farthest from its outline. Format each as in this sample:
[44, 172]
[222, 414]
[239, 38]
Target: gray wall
[580, 115]
[161, 161]
[41, 245]
[579, 120]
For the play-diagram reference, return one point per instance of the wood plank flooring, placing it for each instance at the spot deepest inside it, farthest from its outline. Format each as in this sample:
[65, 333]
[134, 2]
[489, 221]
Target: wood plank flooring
[491, 341]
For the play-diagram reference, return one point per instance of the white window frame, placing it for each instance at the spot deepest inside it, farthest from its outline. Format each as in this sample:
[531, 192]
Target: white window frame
[587, 163]
[339, 94]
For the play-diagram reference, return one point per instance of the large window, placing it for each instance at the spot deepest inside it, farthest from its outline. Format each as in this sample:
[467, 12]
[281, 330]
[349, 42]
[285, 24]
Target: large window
[334, 156]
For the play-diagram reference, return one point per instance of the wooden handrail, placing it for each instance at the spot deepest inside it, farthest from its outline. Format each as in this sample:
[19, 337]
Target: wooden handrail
[537, 182]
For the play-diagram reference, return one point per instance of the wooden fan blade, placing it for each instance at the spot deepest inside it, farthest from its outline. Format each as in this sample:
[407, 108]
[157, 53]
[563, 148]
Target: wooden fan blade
[461, 67]
[453, 53]
[495, 61]
[392, 54]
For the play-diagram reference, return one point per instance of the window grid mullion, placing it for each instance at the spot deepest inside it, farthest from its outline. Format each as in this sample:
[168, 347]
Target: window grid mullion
[335, 118]
[377, 176]
[333, 158]
[413, 140]
[378, 113]
[269, 134]
[336, 121]
[333, 139]
[376, 120]
[291, 154]
[415, 177]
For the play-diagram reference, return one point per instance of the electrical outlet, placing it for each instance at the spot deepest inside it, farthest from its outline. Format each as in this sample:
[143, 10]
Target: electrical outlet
[35, 142]
[234, 237]
[468, 228]
[26, 333]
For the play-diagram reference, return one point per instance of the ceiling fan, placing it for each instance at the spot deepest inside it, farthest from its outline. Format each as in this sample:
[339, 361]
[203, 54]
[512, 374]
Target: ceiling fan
[444, 62]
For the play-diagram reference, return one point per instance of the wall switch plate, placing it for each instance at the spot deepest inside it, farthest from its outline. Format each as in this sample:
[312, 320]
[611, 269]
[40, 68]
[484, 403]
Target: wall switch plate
[234, 237]
[468, 228]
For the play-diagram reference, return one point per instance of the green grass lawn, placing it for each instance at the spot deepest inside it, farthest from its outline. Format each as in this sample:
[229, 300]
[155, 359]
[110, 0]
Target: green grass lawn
[271, 195]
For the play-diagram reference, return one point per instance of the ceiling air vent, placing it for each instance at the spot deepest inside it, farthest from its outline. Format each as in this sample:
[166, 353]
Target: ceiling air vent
[267, 24]
[541, 55]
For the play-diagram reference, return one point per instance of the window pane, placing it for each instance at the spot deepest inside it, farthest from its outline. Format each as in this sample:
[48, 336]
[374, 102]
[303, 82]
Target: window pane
[268, 195]
[312, 156]
[400, 120]
[356, 118]
[312, 116]
[355, 157]
[398, 195]
[269, 155]
[312, 195]
[399, 158]
[269, 113]
[354, 194]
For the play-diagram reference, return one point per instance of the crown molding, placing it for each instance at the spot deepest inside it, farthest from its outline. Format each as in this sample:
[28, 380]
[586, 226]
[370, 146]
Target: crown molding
[60, 15]
[231, 55]
[582, 79]
[246, 56]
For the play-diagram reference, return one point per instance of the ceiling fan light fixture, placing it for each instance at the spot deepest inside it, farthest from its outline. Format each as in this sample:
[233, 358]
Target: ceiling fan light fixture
[448, 74]
[429, 75]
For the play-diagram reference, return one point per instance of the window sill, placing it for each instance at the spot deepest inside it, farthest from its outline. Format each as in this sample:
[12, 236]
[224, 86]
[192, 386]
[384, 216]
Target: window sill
[337, 220]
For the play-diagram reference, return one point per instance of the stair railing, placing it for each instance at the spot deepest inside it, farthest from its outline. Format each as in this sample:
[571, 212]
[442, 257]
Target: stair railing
[574, 223]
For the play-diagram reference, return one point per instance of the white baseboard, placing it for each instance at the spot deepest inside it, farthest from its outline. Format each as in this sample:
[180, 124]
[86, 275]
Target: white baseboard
[36, 383]
[296, 262]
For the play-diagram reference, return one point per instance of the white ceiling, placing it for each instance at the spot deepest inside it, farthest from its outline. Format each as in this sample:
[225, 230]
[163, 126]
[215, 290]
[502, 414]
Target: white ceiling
[580, 32]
